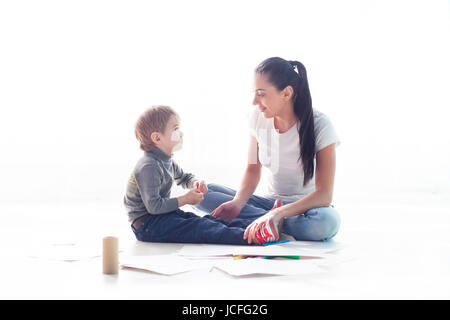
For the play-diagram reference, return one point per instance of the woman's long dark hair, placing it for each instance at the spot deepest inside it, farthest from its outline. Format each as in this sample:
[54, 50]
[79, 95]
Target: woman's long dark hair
[282, 73]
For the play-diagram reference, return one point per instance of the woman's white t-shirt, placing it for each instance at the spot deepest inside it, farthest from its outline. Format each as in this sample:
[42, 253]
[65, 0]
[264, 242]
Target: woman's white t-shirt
[279, 154]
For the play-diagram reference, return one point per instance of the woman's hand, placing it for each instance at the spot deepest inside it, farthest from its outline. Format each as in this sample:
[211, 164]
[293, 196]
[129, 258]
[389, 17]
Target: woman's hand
[253, 228]
[227, 210]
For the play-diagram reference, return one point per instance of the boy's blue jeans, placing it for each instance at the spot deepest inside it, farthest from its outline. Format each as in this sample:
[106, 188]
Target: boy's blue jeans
[187, 227]
[315, 224]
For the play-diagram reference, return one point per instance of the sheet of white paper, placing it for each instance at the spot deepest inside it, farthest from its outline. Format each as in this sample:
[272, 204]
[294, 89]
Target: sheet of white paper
[251, 266]
[69, 251]
[208, 257]
[207, 250]
[285, 249]
[279, 250]
[164, 264]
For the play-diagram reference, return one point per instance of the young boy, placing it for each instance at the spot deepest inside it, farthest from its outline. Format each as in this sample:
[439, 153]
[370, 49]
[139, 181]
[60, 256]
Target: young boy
[154, 215]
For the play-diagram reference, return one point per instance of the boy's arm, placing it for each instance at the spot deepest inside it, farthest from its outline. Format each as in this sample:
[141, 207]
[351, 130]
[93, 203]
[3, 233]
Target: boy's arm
[186, 180]
[149, 180]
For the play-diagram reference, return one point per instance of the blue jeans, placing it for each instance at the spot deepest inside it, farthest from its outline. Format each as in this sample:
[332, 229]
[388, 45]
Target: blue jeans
[187, 227]
[317, 224]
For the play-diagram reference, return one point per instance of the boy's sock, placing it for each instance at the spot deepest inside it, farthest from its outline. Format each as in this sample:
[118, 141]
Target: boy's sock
[271, 230]
[277, 204]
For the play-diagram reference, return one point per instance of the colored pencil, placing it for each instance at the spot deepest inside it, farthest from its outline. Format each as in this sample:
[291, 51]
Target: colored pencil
[270, 243]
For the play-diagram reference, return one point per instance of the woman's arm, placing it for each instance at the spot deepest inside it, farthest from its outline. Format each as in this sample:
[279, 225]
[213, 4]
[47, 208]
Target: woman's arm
[252, 175]
[231, 209]
[321, 197]
[324, 178]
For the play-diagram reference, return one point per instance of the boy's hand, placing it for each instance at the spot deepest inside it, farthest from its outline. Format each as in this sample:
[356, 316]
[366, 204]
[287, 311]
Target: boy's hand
[200, 186]
[192, 197]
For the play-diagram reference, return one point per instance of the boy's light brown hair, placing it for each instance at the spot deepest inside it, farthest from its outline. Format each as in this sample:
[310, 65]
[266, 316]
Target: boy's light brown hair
[152, 120]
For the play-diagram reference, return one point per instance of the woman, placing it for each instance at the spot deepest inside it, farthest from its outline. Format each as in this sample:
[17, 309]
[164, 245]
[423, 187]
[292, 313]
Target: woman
[296, 145]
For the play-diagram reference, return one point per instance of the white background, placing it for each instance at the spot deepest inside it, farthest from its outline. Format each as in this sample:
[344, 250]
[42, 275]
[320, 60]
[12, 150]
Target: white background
[74, 77]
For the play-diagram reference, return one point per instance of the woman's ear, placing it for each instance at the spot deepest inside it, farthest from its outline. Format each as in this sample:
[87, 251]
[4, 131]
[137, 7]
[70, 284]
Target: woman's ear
[288, 93]
[155, 137]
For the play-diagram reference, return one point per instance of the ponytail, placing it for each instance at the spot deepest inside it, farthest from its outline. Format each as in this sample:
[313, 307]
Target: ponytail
[304, 112]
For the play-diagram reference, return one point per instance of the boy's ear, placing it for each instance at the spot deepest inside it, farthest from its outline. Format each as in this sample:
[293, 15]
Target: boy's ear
[155, 137]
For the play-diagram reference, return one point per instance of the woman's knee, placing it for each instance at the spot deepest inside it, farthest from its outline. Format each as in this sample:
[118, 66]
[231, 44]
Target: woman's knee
[318, 224]
[332, 221]
[328, 223]
[214, 187]
[212, 199]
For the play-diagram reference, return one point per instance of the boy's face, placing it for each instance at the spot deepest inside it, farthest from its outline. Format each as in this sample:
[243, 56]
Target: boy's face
[171, 139]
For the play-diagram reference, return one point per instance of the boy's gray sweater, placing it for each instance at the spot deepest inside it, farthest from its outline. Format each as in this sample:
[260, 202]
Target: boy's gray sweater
[148, 189]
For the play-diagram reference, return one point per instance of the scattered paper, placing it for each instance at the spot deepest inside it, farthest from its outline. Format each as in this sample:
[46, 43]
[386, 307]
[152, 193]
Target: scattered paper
[284, 249]
[172, 264]
[250, 266]
[67, 251]
[164, 264]
[206, 250]
[313, 259]
[279, 250]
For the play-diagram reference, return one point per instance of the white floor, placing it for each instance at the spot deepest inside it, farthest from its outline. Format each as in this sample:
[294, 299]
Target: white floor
[393, 247]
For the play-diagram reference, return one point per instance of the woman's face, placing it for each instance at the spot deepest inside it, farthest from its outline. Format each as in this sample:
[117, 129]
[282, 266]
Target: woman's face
[269, 100]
